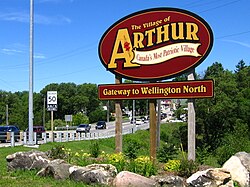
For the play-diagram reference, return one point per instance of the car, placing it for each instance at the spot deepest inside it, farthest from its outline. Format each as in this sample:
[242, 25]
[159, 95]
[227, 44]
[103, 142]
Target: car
[139, 122]
[83, 128]
[39, 129]
[9, 128]
[101, 125]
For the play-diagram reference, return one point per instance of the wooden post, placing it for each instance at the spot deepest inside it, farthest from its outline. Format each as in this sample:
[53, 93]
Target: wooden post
[152, 116]
[158, 129]
[52, 126]
[191, 124]
[118, 120]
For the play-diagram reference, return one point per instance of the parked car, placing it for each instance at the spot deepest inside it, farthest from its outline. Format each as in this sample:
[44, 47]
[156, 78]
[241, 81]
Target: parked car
[83, 128]
[101, 125]
[38, 129]
[9, 128]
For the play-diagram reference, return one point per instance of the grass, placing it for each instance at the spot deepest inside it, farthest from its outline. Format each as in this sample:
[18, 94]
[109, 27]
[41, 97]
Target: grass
[29, 178]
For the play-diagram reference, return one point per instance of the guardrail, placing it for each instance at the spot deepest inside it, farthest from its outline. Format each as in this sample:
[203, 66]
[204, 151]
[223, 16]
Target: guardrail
[66, 136]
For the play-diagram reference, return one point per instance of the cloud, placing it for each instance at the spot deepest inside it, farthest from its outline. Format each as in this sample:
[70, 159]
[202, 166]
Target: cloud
[238, 42]
[54, 1]
[9, 51]
[40, 19]
[14, 16]
[39, 56]
[55, 20]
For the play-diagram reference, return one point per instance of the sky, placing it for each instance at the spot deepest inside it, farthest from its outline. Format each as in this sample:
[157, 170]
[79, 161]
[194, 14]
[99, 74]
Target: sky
[67, 34]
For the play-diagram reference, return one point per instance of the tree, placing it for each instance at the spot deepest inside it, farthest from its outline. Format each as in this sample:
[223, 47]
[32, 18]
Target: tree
[240, 66]
[214, 71]
[216, 116]
[97, 115]
[80, 118]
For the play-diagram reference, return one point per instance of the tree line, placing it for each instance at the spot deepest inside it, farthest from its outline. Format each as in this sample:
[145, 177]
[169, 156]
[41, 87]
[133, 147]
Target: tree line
[80, 101]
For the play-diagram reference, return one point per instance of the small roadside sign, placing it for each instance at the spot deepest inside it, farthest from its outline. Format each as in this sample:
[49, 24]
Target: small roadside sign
[52, 100]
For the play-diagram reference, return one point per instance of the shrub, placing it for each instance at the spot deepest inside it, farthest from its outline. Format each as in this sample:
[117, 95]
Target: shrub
[94, 149]
[132, 148]
[172, 165]
[82, 158]
[118, 160]
[187, 168]
[143, 166]
[234, 142]
[58, 152]
[166, 152]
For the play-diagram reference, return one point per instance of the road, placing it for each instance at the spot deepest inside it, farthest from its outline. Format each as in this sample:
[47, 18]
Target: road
[110, 130]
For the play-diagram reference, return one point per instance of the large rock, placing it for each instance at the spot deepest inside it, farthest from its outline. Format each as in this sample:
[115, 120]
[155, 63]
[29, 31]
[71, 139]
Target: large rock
[210, 178]
[169, 181]
[128, 179]
[58, 169]
[94, 174]
[239, 167]
[27, 160]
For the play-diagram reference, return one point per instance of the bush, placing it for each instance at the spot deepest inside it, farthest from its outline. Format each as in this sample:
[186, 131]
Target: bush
[234, 142]
[143, 166]
[58, 152]
[118, 160]
[172, 165]
[94, 149]
[166, 152]
[132, 148]
[187, 168]
[97, 115]
[82, 158]
[80, 118]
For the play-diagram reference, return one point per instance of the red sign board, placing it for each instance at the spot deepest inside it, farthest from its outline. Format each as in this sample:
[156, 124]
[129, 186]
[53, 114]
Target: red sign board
[155, 44]
[162, 90]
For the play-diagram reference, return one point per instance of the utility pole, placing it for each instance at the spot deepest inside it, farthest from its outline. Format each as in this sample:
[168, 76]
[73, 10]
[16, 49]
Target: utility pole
[44, 111]
[108, 111]
[133, 112]
[31, 75]
[7, 115]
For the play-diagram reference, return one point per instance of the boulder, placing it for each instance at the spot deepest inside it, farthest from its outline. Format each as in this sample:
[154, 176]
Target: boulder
[58, 169]
[27, 160]
[126, 178]
[239, 167]
[210, 178]
[94, 174]
[169, 181]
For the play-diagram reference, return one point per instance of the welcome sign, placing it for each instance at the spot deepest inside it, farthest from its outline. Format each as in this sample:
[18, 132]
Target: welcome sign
[155, 44]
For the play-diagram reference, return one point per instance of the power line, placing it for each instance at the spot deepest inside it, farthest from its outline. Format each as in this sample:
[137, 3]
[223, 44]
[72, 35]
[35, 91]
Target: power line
[235, 34]
[55, 58]
[220, 6]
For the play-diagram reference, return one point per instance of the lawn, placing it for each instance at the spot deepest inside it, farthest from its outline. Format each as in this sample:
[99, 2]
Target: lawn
[29, 178]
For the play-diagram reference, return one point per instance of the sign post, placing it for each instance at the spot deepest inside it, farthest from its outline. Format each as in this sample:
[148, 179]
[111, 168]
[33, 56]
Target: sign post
[52, 106]
[191, 124]
[152, 129]
[118, 121]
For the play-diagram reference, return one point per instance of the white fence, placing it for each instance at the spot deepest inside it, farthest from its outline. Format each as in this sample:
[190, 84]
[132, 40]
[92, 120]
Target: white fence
[65, 136]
